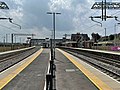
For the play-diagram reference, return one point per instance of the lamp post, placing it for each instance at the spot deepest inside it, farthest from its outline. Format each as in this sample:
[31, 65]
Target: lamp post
[115, 37]
[105, 34]
[53, 13]
[52, 65]
[6, 38]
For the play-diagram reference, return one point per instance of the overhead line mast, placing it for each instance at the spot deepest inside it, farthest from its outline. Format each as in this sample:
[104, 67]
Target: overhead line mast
[104, 5]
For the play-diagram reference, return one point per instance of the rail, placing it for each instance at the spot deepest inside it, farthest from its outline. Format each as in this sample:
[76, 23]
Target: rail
[106, 62]
[13, 52]
[15, 57]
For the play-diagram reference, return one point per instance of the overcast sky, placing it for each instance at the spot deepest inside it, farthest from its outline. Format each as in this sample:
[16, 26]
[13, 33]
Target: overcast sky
[31, 15]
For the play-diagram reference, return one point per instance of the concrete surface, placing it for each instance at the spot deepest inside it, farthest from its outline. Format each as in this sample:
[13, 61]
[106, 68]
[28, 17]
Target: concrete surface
[69, 77]
[33, 77]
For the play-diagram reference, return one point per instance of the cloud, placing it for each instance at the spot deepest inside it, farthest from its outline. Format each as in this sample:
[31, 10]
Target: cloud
[18, 2]
[56, 5]
[15, 9]
[31, 15]
[40, 32]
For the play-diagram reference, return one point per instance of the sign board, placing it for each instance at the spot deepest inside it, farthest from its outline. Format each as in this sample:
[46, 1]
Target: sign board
[3, 5]
[109, 5]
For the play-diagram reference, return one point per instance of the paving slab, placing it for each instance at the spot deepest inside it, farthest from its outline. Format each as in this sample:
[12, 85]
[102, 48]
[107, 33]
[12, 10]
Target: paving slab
[32, 77]
[69, 77]
[100, 79]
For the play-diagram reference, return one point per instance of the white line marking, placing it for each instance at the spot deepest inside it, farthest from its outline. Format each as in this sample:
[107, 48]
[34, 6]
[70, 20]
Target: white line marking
[47, 71]
[96, 69]
[106, 75]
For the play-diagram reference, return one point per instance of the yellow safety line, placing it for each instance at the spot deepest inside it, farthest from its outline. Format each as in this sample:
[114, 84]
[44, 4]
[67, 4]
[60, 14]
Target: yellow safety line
[8, 78]
[97, 82]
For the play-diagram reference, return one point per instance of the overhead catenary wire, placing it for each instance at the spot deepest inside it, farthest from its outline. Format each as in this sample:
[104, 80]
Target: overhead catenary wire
[8, 28]
[17, 19]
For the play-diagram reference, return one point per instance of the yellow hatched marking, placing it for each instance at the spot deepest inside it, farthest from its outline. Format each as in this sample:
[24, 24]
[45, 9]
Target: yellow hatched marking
[13, 74]
[97, 82]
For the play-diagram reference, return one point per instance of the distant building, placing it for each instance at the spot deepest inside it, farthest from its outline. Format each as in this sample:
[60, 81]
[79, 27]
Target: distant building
[80, 39]
[46, 42]
[70, 44]
[95, 37]
[37, 42]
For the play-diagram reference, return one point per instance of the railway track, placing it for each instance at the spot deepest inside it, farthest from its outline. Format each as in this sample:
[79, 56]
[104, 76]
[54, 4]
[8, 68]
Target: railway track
[7, 62]
[107, 65]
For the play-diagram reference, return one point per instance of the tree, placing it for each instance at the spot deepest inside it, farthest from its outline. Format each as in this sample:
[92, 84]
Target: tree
[111, 37]
[95, 36]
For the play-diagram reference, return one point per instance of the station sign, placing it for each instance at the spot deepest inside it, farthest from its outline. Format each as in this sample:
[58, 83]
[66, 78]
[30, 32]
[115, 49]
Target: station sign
[108, 5]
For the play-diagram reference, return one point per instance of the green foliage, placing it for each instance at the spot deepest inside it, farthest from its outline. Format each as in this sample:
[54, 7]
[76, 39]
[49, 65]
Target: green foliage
[111, 37]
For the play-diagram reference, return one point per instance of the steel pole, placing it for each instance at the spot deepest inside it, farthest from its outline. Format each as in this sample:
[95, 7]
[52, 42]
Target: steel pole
[105, 11]
[12, 41]
[102, 11]
[54, 32]
[105, 38]
[6, 38]
[114, 35]
[52, 65]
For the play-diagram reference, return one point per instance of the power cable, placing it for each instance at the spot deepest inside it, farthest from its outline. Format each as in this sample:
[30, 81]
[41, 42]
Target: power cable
[8, 28]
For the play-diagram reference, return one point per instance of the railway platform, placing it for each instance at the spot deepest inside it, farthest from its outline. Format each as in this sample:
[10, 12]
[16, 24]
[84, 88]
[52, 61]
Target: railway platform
[101, 80]
[32, 76]
[69, 77]
[71, 74]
